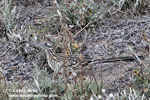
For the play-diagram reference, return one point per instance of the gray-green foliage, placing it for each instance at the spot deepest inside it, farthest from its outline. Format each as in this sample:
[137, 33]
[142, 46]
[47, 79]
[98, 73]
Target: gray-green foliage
[134, 5]
[131, 95]
[124, 95]
[47, 85]
[8, 16]
[82, 90]
[74, 15]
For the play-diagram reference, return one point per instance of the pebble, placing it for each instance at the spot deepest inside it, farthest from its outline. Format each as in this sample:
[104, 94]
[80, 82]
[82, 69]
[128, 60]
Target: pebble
[108, 31]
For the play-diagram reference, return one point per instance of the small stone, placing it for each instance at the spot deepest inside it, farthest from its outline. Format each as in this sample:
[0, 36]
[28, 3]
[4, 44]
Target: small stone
[10, 71]
[13, 68]
[21, 73]
[8, 75]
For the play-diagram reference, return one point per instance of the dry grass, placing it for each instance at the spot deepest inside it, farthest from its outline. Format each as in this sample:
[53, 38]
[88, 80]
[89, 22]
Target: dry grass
[63, 25]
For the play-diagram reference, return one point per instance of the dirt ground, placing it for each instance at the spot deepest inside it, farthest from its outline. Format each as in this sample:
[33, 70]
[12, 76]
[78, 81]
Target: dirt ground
[110, 39]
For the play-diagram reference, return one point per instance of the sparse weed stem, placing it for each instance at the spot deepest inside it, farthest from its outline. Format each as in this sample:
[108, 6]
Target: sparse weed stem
[140, 77]
[98, 88]
[101, 76]
[3, 86]
[68, 20]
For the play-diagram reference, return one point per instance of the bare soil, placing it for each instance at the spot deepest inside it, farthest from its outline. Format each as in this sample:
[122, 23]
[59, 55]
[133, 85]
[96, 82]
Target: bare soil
[110, 39]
